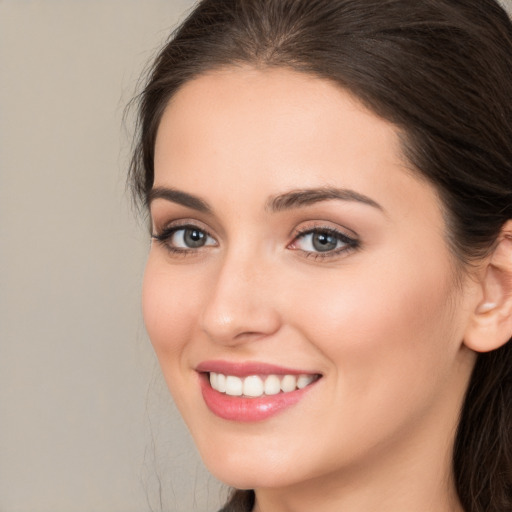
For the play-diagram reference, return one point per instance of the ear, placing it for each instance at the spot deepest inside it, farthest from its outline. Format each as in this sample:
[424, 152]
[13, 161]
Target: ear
[491, 324]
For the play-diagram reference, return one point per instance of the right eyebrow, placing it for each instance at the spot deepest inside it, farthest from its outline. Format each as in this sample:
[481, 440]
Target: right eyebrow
[178, 197]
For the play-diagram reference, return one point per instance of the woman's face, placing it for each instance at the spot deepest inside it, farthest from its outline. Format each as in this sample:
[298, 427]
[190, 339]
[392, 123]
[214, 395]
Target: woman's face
[294, 250]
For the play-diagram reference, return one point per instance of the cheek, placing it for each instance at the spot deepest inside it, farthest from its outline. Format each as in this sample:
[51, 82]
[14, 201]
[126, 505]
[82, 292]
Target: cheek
[169, 313]
[375, 305]
[388, 333]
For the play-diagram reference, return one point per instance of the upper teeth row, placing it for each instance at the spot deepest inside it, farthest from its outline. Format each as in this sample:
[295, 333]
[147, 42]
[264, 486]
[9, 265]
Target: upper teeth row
[255, 386]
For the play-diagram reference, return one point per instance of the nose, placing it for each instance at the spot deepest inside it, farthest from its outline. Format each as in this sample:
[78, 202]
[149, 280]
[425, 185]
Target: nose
[242, 304]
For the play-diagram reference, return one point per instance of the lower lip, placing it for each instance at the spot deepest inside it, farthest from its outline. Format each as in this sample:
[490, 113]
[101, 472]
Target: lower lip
[242, 409]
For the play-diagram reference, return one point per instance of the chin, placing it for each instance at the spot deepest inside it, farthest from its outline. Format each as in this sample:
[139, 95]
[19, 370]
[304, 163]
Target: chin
[254, 469]
[241, 477]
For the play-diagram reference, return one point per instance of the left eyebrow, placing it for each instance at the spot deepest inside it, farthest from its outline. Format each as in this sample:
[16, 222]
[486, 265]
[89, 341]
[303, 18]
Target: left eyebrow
[306, 197]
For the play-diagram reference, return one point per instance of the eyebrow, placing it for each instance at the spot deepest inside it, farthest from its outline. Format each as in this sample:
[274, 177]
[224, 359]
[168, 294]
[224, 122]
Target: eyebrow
[281, 202]
[306, 197]
[179, 197]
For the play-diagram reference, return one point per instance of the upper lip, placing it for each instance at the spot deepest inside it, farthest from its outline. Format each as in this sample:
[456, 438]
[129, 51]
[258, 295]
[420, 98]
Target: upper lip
[244, 369]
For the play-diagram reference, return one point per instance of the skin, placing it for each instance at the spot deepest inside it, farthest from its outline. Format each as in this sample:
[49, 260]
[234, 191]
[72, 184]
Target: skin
[383, 322]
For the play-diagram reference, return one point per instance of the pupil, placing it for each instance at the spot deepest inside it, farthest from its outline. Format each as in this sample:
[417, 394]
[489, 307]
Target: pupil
[194, 238]
[324, 242]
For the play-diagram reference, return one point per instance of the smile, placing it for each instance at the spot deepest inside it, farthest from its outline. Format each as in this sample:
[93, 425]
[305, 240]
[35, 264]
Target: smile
[252, 391]
[254, 386]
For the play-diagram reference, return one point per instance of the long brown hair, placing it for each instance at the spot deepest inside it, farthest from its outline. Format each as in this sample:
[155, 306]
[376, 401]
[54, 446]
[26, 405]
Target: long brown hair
[440, 70]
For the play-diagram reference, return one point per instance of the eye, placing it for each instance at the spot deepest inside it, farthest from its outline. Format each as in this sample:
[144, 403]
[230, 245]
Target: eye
[189, 238]
[185, 238]
[323, 241]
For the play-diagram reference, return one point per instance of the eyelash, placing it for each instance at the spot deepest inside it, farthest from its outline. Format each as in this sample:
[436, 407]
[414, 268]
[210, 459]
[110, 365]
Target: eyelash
[165, 236]
[350, 244]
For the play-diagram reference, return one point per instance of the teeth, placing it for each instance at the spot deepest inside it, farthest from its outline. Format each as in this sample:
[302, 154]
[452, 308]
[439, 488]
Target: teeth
[289, 383]
[255, 386]
[234, 385]
[221, 383]
[272, 385]
[304, 380]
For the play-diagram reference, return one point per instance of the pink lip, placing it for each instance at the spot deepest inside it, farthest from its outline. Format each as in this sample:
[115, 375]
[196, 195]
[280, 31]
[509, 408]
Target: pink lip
[246, 369]
[243, 409]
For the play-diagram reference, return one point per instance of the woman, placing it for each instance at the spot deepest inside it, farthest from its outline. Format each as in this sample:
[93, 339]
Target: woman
[329, 287]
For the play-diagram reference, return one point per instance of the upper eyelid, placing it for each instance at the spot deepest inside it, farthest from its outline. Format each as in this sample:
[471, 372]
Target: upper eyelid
[349, 240]
[322, 226]
[180, 227]
[179, 223]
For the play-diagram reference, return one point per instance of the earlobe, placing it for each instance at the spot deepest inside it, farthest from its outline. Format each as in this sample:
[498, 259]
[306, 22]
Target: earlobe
[491, 323]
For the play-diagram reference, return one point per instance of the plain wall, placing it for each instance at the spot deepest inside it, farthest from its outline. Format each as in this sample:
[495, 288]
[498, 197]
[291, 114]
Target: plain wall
[86, 423]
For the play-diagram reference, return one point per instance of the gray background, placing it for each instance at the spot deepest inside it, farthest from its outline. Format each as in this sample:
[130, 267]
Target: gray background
[86, 423]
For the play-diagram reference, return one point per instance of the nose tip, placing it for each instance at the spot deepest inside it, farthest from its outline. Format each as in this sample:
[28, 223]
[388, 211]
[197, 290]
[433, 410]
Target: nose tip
[239, 309]
[234, 328]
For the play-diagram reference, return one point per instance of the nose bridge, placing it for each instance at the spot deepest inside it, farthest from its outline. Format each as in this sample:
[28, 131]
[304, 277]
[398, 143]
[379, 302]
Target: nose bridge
[240, 304]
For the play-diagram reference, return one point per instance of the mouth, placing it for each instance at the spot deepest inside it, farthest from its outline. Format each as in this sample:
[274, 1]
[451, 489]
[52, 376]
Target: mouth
[252, 391]
[255, 386]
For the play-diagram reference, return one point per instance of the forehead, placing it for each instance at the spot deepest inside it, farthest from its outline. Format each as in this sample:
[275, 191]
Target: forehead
[278, 105]
[244, 130]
